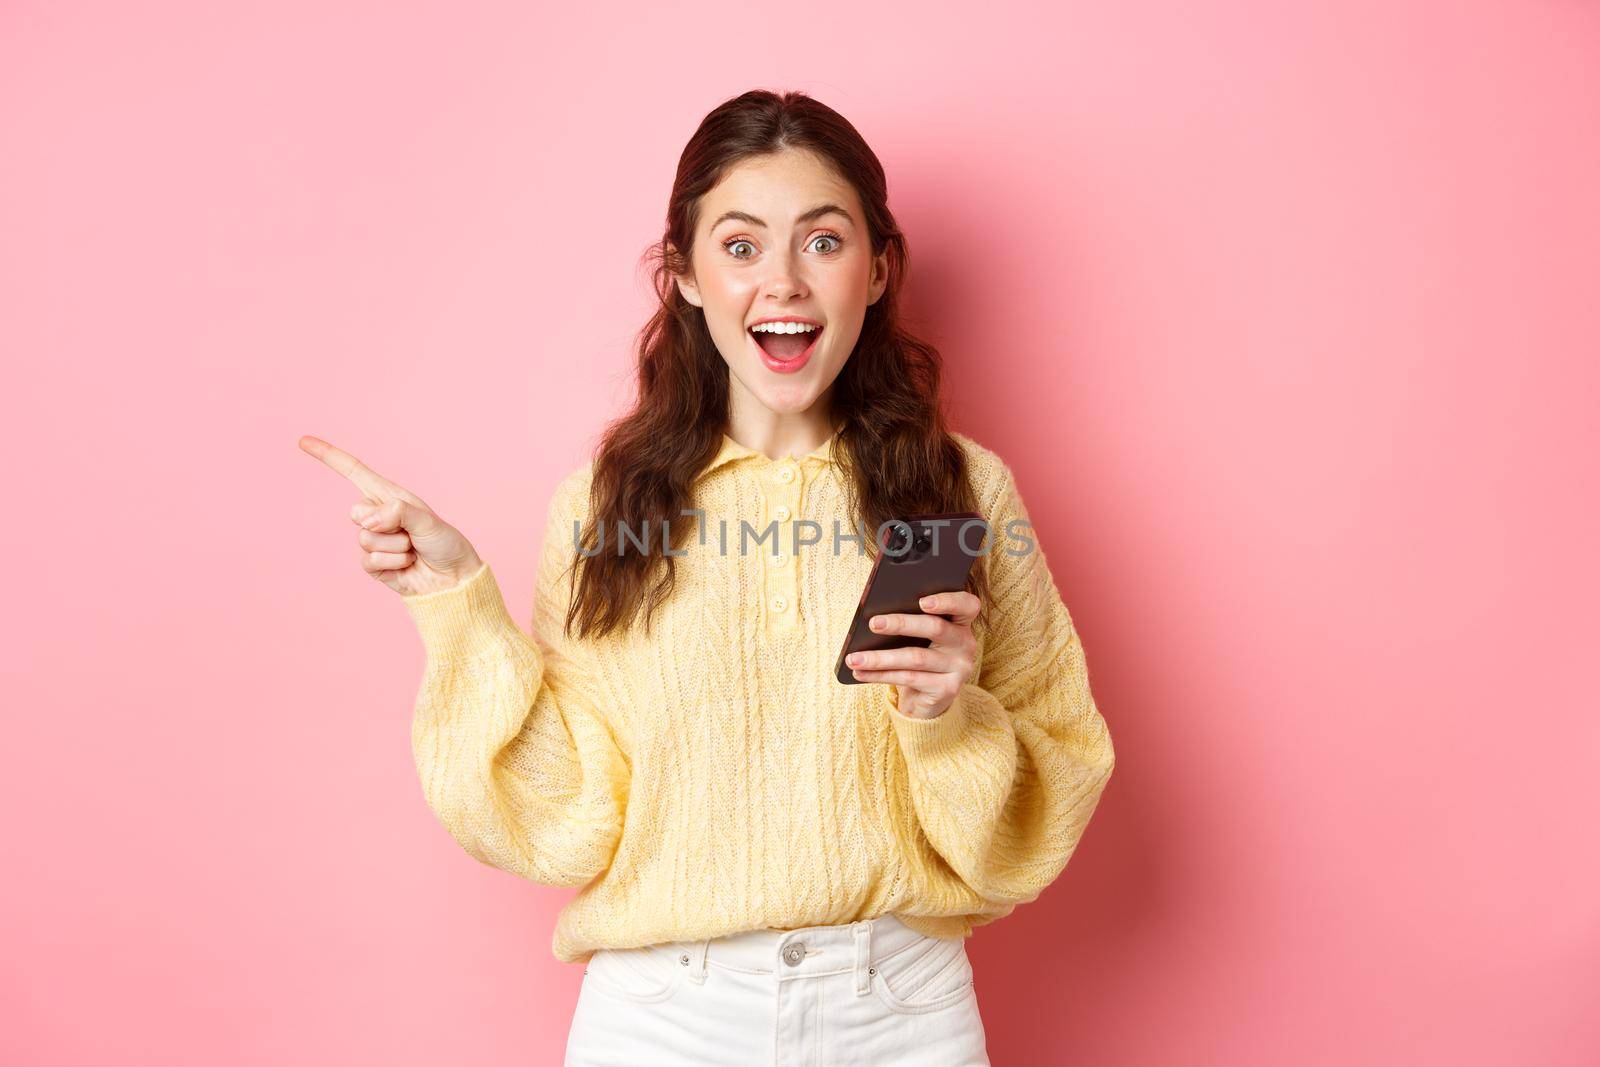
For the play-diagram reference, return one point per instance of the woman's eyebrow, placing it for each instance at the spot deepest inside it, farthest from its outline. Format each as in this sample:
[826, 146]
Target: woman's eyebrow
[749, 219]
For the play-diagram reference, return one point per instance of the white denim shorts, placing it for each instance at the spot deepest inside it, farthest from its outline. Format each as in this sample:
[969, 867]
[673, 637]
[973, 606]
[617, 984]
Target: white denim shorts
[873, 993]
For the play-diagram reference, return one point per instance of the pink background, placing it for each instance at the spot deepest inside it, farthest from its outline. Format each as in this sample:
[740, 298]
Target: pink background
[1286, 319]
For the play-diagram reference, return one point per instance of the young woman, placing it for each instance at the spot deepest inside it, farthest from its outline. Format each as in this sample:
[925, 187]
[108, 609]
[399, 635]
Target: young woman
[775, 867]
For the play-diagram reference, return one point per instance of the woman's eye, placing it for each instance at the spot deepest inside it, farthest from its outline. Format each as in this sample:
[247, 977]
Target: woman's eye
[834, 241]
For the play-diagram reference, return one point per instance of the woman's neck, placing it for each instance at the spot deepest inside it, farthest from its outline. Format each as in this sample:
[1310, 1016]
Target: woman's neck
[778, 435]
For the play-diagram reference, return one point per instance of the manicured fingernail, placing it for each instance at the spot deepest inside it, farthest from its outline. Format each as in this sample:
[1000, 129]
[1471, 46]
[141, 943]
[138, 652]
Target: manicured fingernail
[877, 622]
[853, 659]
[928, 601]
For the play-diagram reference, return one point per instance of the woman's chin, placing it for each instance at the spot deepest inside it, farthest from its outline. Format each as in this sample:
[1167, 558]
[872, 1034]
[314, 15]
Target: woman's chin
[785, 394]
[789, 399]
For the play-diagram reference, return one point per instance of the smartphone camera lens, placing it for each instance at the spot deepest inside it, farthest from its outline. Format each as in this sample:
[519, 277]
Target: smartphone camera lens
[895, 543]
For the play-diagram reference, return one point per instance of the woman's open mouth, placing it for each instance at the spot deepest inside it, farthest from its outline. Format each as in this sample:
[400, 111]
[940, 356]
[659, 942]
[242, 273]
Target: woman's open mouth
[785, 347]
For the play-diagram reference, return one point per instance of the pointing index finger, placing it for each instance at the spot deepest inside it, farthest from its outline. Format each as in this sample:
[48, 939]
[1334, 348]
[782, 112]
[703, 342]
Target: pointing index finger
[373, 485]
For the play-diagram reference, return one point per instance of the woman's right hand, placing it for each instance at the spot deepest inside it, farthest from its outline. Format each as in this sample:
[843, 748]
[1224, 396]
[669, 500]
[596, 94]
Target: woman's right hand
[404, 544]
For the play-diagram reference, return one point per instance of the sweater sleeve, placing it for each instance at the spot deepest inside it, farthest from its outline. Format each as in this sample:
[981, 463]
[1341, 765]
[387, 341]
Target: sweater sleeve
[516, 759]
[1005, 780]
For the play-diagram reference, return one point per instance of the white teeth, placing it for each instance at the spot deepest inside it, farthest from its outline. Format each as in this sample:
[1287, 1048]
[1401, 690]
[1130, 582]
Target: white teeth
[783, 327]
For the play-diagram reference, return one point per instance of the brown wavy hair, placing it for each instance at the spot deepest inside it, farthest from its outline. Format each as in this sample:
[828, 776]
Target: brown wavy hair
[893, 442]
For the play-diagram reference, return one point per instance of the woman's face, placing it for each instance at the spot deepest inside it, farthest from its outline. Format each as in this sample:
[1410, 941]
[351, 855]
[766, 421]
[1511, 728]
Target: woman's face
[782, 236]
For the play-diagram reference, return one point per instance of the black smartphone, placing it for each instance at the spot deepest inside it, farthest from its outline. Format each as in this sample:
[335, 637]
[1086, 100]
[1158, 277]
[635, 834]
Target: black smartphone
[919, 555]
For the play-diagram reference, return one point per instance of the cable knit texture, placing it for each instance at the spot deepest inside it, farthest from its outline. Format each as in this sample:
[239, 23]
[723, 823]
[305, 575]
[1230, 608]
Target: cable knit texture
[713, 775]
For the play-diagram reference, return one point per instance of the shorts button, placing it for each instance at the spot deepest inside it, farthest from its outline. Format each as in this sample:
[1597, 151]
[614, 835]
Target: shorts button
[793, 954]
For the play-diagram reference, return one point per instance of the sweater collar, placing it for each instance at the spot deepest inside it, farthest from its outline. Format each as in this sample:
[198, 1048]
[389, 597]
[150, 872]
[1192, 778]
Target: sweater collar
[732, 452]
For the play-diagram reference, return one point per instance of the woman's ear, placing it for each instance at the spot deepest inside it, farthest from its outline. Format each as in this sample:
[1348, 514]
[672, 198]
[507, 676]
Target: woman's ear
[686, 282]
[880, 276]
[690, 291]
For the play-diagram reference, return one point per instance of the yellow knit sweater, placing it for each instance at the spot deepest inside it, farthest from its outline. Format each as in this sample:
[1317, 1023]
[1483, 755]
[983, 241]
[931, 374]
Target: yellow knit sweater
[715, 776]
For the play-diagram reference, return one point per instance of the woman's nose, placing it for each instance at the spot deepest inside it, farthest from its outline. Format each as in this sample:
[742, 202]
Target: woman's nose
[785, 280]
[784, 286]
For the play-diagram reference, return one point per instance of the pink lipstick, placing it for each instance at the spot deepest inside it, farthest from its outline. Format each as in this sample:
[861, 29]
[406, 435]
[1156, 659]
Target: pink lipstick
[785, 363]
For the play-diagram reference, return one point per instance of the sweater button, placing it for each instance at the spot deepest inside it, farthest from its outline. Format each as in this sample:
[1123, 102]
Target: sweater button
[781, 513]
[779, 603]
[785, 475]
[793, 954]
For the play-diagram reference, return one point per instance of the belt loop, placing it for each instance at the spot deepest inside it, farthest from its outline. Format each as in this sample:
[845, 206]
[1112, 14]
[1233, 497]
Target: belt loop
[697, 961]
[862, 930]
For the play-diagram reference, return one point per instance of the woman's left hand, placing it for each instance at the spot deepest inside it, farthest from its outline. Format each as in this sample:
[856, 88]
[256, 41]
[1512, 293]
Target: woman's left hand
[929, 678]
